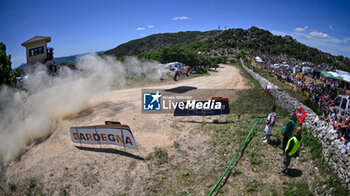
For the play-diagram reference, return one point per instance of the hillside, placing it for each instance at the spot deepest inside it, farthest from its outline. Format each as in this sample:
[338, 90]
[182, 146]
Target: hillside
[251, 40]
[262, 41]
[158, 41]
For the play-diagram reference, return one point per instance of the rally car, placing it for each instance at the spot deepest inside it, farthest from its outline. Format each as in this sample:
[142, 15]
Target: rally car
[178, 69]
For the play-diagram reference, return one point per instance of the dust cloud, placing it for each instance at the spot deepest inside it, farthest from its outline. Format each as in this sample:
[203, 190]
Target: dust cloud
[31, 116]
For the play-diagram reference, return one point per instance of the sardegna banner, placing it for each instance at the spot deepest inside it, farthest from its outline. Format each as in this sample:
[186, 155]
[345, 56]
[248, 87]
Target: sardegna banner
[119, 135]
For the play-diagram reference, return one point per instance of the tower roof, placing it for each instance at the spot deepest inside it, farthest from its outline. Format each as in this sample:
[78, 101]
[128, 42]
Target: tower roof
[36, 39]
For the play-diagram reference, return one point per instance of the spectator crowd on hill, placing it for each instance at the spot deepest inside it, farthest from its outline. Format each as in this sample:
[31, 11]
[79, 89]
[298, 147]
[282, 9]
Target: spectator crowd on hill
[321, 90]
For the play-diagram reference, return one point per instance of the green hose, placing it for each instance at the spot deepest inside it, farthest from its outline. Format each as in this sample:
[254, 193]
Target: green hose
[217, 184]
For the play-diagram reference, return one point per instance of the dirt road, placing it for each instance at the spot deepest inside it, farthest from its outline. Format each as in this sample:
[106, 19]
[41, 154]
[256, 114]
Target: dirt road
[57, 163]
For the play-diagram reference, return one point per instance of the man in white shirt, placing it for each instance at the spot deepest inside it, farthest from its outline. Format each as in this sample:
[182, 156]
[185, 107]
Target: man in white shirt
[270, 123]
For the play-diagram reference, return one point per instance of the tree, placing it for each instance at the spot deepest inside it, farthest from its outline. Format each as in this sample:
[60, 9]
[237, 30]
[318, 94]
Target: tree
[151, 55]
[7, 76]
[19, 72]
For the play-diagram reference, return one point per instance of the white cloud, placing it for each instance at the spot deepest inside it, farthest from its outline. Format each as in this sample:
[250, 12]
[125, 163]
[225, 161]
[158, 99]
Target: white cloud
[181, 18]
[301, 29]
[150, 26]
[331, 27]
[319, 34]
[140, 28]
[320, 40]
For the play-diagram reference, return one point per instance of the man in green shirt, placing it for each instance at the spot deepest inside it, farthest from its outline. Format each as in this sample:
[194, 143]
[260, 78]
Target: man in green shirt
[292, 147]
[288, 130]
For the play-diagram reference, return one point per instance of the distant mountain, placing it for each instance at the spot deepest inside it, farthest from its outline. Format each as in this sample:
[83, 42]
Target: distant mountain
[22, 66]
[156, 42]
[66, 59]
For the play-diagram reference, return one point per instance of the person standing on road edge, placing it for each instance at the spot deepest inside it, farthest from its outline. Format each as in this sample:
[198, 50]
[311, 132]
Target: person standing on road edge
[291, 149]
[288, 130]
[270, 123]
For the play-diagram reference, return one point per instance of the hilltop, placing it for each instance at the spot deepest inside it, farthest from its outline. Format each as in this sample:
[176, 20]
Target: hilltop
[156, 42]
[253, 40]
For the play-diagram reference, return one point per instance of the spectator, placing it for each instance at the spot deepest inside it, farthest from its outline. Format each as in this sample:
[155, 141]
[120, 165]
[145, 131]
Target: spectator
[291, 149]
[270, 123]
[288, 130]
[343, 127]
[347, 135]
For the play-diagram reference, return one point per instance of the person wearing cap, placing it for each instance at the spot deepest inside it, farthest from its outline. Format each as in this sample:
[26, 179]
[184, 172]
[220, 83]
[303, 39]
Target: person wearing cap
[291, 149]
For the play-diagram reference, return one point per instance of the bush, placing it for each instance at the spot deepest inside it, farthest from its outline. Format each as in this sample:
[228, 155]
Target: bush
[33, 188]
[203, 71]
[160, 156]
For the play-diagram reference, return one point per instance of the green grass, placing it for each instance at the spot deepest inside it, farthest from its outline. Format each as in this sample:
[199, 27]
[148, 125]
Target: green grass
[253, 185]
[300, 188]
[227, 138]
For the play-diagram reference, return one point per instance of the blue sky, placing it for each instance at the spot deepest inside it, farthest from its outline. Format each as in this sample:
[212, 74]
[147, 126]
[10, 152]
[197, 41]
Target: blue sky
[78, 26]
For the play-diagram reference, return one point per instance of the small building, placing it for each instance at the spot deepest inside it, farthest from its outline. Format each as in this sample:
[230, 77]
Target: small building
[37, 51]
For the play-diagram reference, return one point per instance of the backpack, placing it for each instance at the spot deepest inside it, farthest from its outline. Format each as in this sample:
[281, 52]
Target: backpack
[269, 117]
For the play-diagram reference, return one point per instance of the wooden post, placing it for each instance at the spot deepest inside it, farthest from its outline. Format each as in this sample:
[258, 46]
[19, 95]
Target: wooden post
[79, 137]
[99, 142]
[123, 139]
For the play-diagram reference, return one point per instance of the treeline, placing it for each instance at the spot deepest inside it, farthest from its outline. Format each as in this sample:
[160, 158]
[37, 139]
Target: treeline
[183, 54]
[7, 75]
[156, 42]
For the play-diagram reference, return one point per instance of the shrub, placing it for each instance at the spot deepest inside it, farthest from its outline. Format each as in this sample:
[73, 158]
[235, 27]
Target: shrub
[203, 71]
[160, 156]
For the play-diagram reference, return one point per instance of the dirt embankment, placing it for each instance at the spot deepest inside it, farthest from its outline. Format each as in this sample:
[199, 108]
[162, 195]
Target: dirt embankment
[56, 163]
